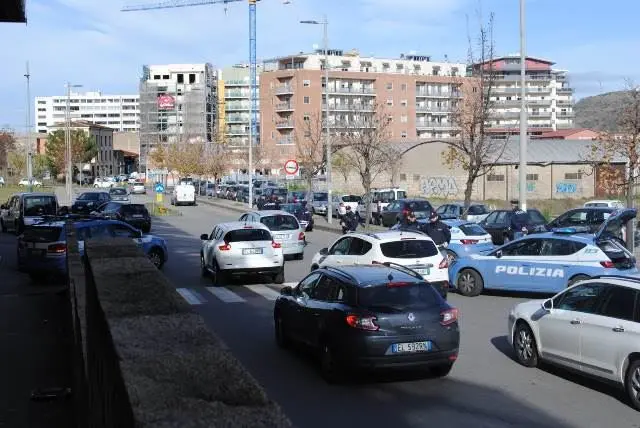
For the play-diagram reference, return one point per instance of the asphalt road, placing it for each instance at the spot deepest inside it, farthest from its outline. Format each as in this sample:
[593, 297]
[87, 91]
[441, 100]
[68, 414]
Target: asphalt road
[485, 389]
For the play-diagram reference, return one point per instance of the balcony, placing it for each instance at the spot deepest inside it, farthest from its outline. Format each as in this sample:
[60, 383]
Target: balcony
[236, 94]
[564, 102]
[539, 114]
[284, 107]
[564, 90]
[235, 118]
[528, 77]
[284, 89]
[352, 91]
[437, 94]
[353, 124]
[236, 131]
[565, 114]
[425, 124]
[538, 102]
[286, 141]
[565, 125]
[348, 107]
[507, 114]
[433, 109]
[284, 124]
[236, 82]
[237, 107]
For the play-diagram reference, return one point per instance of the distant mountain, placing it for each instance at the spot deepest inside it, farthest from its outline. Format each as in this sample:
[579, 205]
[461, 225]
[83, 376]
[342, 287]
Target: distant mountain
[599, 112]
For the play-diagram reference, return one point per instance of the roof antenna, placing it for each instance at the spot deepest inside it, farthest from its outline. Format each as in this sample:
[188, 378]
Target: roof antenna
[390, 277]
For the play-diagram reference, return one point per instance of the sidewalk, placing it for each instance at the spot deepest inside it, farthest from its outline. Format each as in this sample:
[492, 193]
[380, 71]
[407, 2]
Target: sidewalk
[34, 347]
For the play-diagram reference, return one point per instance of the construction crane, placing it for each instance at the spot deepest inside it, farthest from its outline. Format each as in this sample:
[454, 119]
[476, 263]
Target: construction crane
[253, 114]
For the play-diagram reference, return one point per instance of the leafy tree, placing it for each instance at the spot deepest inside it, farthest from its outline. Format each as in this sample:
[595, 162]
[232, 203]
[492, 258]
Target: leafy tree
[17, 162]
[40, 164]
[83, 149]
[7, 145]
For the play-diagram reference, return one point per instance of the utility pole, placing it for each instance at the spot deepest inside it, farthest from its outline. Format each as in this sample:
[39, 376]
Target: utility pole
[523, 112]
[28, 132]
[67, 145]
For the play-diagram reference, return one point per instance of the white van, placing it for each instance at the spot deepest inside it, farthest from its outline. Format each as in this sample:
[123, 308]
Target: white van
[184, 193]
[378, 199]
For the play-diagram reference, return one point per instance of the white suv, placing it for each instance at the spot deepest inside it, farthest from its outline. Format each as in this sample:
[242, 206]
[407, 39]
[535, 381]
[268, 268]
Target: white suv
[241, 248]
[592, 327]
[410, 249]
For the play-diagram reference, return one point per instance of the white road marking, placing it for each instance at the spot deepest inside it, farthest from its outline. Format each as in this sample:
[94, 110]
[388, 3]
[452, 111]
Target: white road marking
[226, 295]
[189, 296]
[264, 291]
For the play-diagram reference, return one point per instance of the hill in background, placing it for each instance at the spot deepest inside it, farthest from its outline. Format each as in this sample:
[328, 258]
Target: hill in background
[600, 112]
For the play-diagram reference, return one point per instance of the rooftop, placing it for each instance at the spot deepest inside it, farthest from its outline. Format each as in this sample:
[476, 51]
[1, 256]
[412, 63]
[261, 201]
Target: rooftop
[80, 124]
[13, 11]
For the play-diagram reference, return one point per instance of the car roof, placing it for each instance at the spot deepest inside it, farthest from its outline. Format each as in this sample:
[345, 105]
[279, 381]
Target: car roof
[610, 209]
[22, 194]
[94, 191]
[235, 225]
[267, 213]
[391, 235]
[586, 238]
[631, 281]
[369, 275]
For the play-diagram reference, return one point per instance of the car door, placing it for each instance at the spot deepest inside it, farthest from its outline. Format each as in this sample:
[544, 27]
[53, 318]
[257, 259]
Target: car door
[338, 254]
[512, 270]
[207, 246]
[557, 264]
[314, 312]
[609, 334]
[495, 224]
[560, 329]
[295, 316]
[389, 214]
[358, 249]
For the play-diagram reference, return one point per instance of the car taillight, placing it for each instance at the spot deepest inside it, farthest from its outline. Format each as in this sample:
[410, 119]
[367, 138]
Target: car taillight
[449, 316]
[397, 284]
[362, 323]
[444, 263]
[57, 248]
[301, 236]
[608, 264]
[225, 247]
[275, 244]
[469, 241]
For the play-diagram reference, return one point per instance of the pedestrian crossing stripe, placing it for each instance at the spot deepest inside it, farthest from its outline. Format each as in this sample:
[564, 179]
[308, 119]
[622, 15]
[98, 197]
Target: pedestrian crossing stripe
[225, 295]
[191, 296]
[264, 291]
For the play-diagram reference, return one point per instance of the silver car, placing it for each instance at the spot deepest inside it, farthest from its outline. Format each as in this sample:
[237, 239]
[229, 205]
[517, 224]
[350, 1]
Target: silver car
[284, 227]
[319, 203]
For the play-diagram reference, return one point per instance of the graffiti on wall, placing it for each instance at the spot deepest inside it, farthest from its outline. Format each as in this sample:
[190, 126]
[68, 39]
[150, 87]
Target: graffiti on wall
[439, 186]
[566, 187]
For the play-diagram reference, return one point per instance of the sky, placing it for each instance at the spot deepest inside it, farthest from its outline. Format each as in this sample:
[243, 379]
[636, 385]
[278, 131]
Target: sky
[92, 43]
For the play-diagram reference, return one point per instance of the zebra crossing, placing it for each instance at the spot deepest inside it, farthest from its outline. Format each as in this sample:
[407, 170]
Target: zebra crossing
[231, 294]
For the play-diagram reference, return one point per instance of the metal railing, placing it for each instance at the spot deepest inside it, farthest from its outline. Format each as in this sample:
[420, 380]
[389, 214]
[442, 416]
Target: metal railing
[429, 125]
[284, 124]
[348, 107]
[284, 89]
[339, 90]
[285, 141]
[284, 106]
[433, 109]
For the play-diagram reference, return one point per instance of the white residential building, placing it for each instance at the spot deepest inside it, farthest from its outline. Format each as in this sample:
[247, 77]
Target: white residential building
[119, 112]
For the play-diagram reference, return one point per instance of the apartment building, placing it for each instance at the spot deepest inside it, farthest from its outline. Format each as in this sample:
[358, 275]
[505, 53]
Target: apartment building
[178, 103]
[417, 93]
[549, 96]
[234, 104]
[118, 112]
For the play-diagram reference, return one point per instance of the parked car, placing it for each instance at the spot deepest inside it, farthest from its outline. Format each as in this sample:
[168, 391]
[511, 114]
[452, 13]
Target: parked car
[605, 204]
[396, 210]
[284, 227]
[319, 203]
[498, 224]
[591, 217]
[138, 188]
[2, 184]
[135, 215]
[378, 199]
[302, 213]
[89, 201]
[119, 194]
[25, 209]
[103, 183]
[476, 212]
[29, 182]
[352, 201]
[273, 194]
[296, 196]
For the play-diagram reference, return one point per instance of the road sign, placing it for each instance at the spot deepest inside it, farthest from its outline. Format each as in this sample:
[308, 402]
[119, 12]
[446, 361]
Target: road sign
[159, 188]
[291, 167]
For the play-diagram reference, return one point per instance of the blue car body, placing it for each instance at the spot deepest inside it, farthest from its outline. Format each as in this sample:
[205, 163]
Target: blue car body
[42, 247]
[548, 262]
[483, 245]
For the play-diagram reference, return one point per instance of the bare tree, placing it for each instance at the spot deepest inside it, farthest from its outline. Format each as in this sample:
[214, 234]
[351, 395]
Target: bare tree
[340, 164]
[365, 146]
[472, 148]
[215, 161]
[309, 139]
[623, 145]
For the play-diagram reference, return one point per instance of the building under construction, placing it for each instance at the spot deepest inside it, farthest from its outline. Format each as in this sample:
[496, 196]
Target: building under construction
[178, 104]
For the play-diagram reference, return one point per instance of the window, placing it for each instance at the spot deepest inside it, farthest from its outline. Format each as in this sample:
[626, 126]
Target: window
[412, 295]
[306, 83]
[532, 177]
[404, 118]
[247, 235]
[478, 209]
[156, 77]
[403, 134]
[619, 302]
[359, 247]
[280, 222]
[192, 78]
[121, 231]
[165, 77]
[403, 87]
[582, 298]
[418, 248]
[389, 102]
[180, 78]
[306, 100]
[389, 86]
[560, 247]
[341, 248]
[528, 247]
[307, 285]
[403, 103]
[495, 177]
[306, 118]
[323, 288]
[572, 175]
[403, 177]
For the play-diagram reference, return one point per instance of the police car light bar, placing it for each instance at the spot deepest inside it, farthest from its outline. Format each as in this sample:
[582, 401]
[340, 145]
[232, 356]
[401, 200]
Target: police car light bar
[571, 230]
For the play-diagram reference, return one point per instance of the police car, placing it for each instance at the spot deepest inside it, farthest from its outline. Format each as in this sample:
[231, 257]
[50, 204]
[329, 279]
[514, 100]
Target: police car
[467, 237]
[547, 262]
[42, 248]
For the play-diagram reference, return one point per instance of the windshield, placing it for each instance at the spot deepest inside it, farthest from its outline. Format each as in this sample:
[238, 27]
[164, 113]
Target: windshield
[419, 206]
[320, 197]
[40, 205]
[413, 295]
[291, 208]
[89, 196]
[280, 192]
[535, 217]
[246, 235]
[472, 229]
[351, 198]
[409, 249]
[280, 222]
[42, 234]
[118, 191]
[478, 210]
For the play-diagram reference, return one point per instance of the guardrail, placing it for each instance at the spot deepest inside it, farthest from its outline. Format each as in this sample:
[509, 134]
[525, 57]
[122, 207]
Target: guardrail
[142, 357]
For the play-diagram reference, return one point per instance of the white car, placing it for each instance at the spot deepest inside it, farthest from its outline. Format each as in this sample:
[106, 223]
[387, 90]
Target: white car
[352, 201]
[26, 182]
[241, 248]
[1, 181]
[103, 183]
[285, 229]
[605, 204]
[410, 249]
[592, 327]
[138, 188]
[184, 193]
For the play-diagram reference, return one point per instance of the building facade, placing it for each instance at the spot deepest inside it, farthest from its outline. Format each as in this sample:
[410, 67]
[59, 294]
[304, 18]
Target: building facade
[234, 105]
[417, 93]
[549, 96]
[178, 103]
[119, 112]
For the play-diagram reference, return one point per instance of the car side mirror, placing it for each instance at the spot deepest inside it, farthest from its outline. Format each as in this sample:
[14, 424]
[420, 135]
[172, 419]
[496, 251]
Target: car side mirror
[498, 254]
[324, 252]
[547, 305]
[286, 291]
[204, 237]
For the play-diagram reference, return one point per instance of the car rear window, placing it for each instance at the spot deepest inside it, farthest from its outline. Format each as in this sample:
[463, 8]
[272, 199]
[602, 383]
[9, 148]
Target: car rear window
[134, 209]
[412, 295]
[89, 196]
[478, 210]
[279, 191]
[596, 205]
[471, 229]
[40, 205]
[118, 191]
[535, 217]
[351, 198]
[245, 235]
[409, 249]
[320, 197]
[280, 222]
[42, 234]
[419, 206]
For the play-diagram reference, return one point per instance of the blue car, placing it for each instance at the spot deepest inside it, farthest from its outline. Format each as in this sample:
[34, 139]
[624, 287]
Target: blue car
[547, 262]
[467, 238]
[42, 248]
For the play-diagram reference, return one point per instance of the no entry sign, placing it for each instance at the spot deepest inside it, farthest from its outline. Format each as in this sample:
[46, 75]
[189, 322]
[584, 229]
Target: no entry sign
[291, 167]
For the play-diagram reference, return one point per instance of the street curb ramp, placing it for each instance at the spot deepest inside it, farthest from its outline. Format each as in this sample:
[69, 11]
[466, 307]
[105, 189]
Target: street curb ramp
[143, 358]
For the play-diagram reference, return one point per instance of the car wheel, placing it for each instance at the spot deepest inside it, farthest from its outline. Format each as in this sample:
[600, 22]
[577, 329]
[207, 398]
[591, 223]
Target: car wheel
[203, 267]
[279, 277]
[300, 256]
[218, 275]
[329, 366]
[524, 345]
[632, 383]
[441, 370]
[469, 283]
[451, 256]
[156, 257]
[282, 339]
[576, 279]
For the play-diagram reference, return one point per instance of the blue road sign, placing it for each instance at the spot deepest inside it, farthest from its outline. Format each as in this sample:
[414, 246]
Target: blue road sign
[159, 188]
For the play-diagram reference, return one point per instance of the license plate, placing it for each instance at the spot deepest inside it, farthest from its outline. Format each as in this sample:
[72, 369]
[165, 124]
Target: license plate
[36, 253]
[249, 251]
[137, 216]
[398, 348]
[281, 237]
[423, 271]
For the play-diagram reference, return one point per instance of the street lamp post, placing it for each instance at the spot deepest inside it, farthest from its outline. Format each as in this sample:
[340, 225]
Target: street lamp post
[28, 131]
[523, 113]
[325, 42]
[67, 141]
